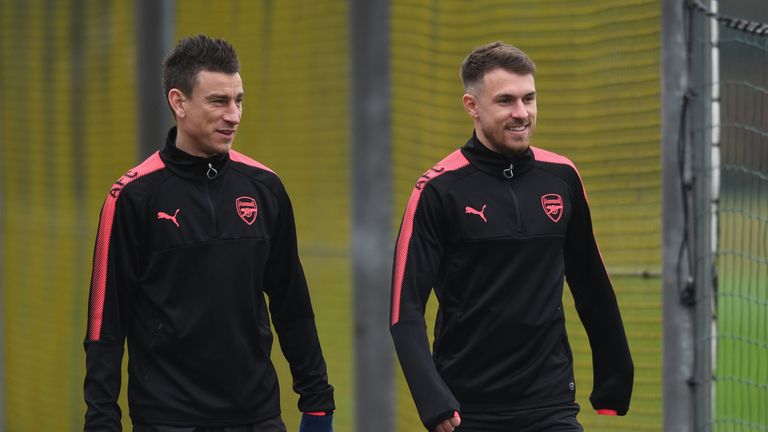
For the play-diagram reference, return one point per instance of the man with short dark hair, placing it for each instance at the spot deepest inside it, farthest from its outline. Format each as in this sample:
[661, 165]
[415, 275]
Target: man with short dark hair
[494, 228]
[188, 244]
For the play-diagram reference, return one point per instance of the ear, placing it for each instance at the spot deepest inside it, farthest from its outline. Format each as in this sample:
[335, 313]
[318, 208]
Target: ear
[176, 100]
[470, 105]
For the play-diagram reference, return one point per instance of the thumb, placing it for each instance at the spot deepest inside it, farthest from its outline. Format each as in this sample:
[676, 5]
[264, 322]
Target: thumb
[455, 420]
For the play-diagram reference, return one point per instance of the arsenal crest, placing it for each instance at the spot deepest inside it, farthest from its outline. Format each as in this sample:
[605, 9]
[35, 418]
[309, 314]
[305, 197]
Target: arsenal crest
[246, 209]
[553, 206]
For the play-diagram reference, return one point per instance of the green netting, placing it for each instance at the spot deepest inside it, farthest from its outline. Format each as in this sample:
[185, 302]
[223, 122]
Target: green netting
[68, 131]
[740, 387]
[729, 119]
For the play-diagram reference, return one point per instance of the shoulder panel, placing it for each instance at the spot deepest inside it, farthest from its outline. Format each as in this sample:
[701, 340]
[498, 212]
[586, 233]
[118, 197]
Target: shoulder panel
[100, 256]
[241, 158]
[541, 155]
[452, 162]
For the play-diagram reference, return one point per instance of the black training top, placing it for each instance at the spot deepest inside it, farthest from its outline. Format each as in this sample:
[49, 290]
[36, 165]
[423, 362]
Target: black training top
[495, 236]
[186, 249]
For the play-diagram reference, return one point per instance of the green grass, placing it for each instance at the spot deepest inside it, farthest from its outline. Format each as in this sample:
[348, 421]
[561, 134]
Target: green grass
[740, 390]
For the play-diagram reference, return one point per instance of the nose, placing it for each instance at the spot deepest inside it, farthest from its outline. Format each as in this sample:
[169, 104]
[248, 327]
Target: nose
[233, 113]
[518, 110]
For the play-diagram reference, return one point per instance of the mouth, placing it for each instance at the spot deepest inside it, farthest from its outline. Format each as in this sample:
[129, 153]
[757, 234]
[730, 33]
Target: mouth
[229, 133]
[516, 128]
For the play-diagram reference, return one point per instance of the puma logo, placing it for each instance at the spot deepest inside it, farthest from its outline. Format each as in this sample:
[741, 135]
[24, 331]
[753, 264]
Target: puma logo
[470, 210]
[164, 215]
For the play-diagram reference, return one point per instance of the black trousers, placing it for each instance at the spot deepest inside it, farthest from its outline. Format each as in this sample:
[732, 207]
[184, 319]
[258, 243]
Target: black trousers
[272, 425]
[559, 418]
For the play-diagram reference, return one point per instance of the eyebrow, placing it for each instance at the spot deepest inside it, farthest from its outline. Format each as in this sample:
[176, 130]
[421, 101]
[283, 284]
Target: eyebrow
[510, 95]
[220, 96]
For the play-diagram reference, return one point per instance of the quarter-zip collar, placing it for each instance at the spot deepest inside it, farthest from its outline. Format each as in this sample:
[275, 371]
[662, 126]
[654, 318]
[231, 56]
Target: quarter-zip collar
[497, 164]
[186, 165]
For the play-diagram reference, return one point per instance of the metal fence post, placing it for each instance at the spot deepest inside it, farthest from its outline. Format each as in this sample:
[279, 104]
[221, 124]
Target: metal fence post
[677, 312]
[154, 39]
[371, 179]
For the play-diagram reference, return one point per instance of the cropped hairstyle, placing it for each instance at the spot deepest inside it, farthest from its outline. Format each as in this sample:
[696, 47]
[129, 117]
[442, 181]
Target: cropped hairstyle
[486, 58]
[194, 54]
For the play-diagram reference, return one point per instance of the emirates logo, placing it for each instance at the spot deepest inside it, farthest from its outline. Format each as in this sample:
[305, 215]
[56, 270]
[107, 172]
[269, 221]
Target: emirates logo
[246, 209]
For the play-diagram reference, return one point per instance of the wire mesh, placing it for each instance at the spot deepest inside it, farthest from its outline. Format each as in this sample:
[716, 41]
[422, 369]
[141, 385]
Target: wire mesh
[67, 132]
[729, 58]
[740, 373]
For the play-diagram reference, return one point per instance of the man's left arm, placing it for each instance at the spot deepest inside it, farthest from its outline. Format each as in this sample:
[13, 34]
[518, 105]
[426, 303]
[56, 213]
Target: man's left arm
[598, 310]
[294, 320]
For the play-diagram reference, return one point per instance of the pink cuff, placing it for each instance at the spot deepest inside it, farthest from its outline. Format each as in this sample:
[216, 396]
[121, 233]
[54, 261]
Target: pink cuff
[607, 412]
[316, 413]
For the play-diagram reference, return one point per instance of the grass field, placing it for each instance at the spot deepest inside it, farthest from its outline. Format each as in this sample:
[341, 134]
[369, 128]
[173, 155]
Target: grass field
[740, 390]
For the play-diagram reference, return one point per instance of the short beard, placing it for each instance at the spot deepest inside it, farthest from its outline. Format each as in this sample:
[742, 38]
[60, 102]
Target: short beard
[502, 149]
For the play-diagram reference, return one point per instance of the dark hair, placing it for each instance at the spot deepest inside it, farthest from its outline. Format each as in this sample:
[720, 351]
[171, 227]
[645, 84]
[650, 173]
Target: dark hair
[193, 54]
[494, 55]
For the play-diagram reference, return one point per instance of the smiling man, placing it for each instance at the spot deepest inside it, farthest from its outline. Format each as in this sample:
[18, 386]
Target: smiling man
[494, 229]
[189, 243]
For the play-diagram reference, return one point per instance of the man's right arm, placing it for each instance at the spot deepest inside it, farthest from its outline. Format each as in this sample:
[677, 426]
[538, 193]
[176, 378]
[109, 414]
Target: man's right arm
[417, 258]
[113, 276]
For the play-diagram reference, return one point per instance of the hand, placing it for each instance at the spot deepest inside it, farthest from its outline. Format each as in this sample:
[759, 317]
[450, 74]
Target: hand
[316, 423]
[450, 424]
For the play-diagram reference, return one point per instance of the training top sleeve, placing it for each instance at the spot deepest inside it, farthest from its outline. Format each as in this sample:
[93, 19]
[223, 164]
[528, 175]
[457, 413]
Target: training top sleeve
[113, 284]
[292, 314]
[113, 281]
[417, 258]
[597, 308]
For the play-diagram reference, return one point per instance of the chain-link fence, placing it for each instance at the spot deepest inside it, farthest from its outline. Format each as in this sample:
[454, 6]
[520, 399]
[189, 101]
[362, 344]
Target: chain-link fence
[726, 145]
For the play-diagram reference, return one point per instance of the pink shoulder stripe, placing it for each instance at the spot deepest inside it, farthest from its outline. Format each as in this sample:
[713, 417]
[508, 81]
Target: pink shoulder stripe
[100, 256]
[452, 162]
[548, 156]
[239, 157]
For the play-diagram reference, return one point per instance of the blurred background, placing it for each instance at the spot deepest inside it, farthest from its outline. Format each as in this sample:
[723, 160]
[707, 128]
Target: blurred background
[625, 90]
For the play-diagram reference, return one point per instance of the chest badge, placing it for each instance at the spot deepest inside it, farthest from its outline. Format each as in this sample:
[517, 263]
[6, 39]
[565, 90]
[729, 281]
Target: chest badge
[470, 210]
[553, 206]
[246, 209]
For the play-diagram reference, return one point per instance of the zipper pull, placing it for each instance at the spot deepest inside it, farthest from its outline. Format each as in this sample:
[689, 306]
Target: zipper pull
[211, 173]
[508, 173]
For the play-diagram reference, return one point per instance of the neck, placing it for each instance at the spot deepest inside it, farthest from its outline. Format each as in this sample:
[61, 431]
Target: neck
[184, 143]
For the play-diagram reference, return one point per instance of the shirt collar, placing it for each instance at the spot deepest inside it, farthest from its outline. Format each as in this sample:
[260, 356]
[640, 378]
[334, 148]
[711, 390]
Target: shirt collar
[497, 164]
[187, 165]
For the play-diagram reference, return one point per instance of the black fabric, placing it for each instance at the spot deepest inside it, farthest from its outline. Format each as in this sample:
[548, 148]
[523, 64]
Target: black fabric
[271, 425]
[558, 418]
[422, 377]
[495, 237]
[191, 255]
